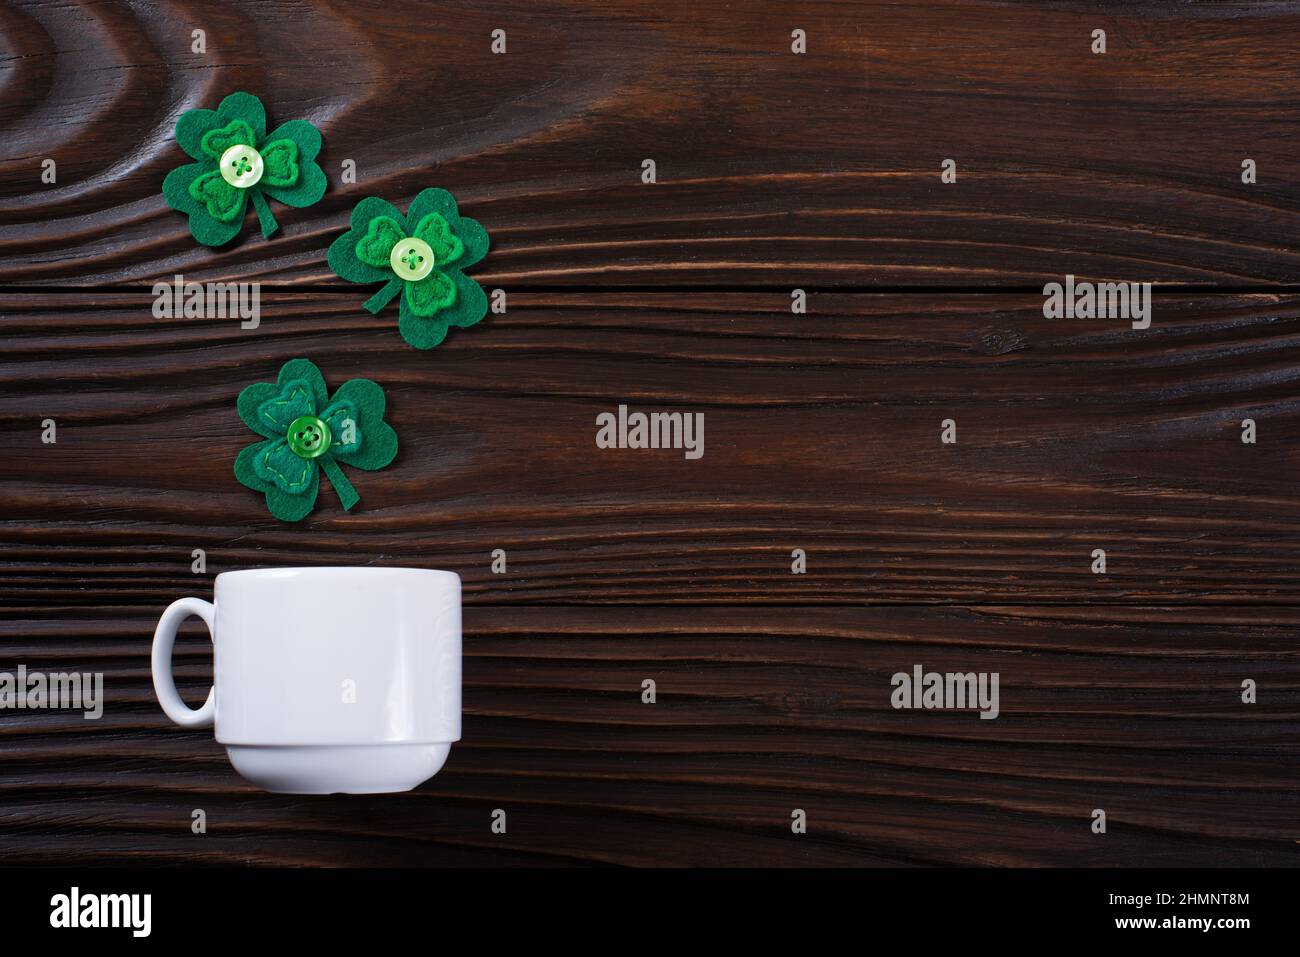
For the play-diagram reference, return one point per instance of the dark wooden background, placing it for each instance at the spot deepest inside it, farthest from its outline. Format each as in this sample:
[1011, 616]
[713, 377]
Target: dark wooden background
[776, 171]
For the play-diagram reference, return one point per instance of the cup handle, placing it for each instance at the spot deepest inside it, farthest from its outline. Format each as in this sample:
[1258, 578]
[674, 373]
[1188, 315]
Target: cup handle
[164, 686]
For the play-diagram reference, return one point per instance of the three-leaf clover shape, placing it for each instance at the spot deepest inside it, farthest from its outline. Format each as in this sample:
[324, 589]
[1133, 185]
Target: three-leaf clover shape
[421, 255]
[306, 430]
[237, 161]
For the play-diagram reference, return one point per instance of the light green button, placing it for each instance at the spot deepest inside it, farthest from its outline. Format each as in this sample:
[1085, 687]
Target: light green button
[309, 436]
[241, 166]
[412, 259]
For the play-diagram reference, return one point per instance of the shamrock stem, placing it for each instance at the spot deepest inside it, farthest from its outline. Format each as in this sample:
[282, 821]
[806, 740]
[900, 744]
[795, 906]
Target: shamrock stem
[269, 225]
[383, 297]
[347, 494]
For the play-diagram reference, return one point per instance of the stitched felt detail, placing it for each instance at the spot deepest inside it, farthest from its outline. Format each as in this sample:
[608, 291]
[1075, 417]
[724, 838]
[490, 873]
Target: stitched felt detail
[217, 209]
[290, 482]
[444, 298]
[222, 201]
[237, 132]
[295, 399]
[276, 462]
[436, 231]
[430, 294]
[344, 423]
[469, 306]
[376, 247]
[280, 163]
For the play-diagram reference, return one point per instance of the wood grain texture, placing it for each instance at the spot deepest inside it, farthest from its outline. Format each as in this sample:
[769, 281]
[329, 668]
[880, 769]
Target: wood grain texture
[1119, 691]
[1133, 710]
[822, 432]
[775, 170]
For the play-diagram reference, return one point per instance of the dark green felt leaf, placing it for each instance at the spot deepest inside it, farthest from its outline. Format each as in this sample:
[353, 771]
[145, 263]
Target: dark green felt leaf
[436, 231]
[344, 423]
[294, 508]
[215, 142]
[245, 107]
[470, 305]
[475, 239]
[429, 295]
[292, 401]
[425, 333]
[372, 206]
[342, 258]
[244, 466]
[311, 183]
[418, 331]
[306, 369]
[219, 199]
[307, 191]
[190, 129]
[302, 133]
[379, 441]
[250, 400]
[284, 506]
[176, 188]
[204, 228]
[434, 201]
[254, 396]
[280, 163]
[470, 232]
[375, 247]
[279, 465]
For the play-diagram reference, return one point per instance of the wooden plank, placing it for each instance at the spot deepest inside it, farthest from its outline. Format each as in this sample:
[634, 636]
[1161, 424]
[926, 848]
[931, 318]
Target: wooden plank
[822, 433]
[774, 169]
[1136, 711]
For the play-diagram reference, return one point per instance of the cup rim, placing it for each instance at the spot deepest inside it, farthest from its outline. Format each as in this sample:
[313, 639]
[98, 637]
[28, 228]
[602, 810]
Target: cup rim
[370, 571]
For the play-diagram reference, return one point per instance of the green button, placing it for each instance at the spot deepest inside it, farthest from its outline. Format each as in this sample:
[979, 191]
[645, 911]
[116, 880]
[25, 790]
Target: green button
[309, 436]
[412, 259]
[241, 166]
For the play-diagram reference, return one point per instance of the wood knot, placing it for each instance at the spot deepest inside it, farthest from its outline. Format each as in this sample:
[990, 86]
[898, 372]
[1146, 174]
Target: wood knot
[998, 342]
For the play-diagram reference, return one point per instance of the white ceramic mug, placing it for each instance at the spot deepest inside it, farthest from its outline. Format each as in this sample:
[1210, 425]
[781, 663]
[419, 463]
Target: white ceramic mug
[326, 679]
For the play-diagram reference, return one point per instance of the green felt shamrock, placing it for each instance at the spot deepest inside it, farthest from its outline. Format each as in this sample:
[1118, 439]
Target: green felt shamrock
[306, 430]
[422, 255]
[238, 160]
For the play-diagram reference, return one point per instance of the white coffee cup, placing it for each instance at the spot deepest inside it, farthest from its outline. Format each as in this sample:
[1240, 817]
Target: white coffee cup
[326, 679]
